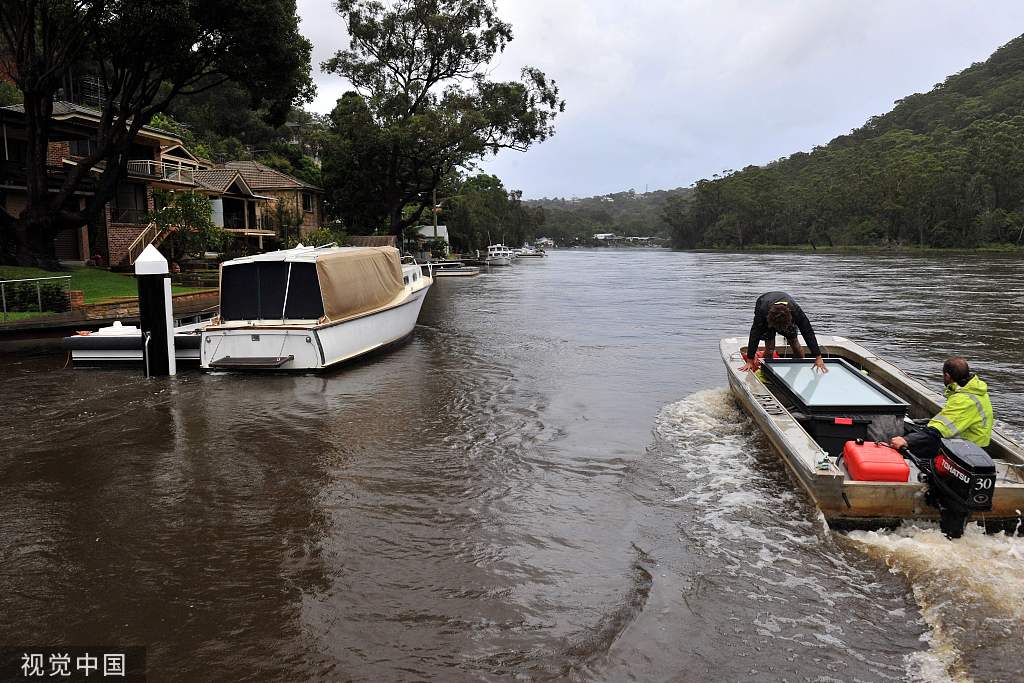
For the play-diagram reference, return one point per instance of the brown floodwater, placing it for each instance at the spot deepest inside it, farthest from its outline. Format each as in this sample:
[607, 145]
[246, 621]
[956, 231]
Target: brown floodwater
[549, 481]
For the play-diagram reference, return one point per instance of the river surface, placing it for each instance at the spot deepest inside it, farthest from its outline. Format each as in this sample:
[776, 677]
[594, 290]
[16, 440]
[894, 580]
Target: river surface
[549, 481]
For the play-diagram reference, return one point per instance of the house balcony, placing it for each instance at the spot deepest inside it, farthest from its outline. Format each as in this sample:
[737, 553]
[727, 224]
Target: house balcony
[13, 176]
[159, 171]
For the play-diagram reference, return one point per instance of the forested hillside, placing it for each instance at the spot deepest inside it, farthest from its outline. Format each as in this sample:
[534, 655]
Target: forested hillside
[574, 221]
[942, 169]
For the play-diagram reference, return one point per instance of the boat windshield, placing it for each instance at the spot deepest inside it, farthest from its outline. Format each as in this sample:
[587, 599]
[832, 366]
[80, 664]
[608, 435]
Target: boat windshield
[256, 291]
[843, 385]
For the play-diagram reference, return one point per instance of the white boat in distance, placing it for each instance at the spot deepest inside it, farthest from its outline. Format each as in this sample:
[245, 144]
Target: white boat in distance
[499, 255]
[437, 269]
[310, 308]
[529, 252]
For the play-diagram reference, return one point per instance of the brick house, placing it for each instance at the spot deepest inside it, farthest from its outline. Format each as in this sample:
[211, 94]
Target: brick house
[305, 200]
[236, 208]
[157, 160]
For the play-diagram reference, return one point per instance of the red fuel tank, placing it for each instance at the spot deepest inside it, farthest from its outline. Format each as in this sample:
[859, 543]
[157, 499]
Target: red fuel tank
[870, 461]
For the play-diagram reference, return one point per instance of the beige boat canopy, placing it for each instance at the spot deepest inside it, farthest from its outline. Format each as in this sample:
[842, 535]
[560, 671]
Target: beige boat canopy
[306, 283]
[358, 280]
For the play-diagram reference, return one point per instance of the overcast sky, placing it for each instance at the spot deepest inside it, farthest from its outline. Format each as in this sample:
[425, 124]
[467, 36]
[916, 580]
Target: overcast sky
[660, 93]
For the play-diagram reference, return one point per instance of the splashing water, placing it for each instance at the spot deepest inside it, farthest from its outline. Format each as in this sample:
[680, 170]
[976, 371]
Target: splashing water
[971, 593]
[793, 589]
[754, 519]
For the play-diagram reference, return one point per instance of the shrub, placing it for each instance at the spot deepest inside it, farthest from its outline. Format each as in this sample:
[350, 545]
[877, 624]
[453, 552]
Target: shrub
[319, 238]
[23, 297]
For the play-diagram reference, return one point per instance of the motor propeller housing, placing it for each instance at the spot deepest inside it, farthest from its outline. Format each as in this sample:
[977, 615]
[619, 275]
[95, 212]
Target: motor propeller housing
[964, 475]
[962, 480]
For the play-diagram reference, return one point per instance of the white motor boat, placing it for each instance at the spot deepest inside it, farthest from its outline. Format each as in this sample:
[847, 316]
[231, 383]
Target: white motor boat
[449, 269]
[498, 255]
[457, 271]
[119, 344]
[311, 308]
[529, 252]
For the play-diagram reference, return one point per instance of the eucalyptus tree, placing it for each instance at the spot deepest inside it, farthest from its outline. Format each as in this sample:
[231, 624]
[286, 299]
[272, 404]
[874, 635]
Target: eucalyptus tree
[484, 212]
[145, 54]
[423, 105]
[942, 169]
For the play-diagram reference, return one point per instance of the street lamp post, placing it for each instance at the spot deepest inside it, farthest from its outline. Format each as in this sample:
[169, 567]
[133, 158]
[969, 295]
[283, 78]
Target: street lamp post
[437, 206]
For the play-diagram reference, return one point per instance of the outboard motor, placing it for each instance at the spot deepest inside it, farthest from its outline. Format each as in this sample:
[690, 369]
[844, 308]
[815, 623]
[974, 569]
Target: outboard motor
[962, 481]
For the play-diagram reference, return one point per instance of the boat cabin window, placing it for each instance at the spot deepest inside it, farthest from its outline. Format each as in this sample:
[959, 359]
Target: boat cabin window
[305, 302]
[256, 291]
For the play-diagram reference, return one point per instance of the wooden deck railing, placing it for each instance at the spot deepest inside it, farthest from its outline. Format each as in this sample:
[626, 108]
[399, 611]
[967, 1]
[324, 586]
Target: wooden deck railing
[153, 234]
[158, 169]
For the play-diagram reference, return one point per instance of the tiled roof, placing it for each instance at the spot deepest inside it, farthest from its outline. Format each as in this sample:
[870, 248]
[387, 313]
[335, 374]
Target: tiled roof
[62, 108]
[216, 179]
[262, 177]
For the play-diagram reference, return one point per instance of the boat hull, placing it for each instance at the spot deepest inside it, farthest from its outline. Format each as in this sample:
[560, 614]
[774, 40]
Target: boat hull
[466, 271]
[92, 350]
[849, 504]
[312, 348]
[449, 269]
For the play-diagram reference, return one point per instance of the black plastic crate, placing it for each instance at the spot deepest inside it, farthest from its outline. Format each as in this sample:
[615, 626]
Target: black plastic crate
[833, 432]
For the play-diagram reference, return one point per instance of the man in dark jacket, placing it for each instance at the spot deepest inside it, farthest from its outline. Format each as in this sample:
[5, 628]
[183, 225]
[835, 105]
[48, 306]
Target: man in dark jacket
[777, 313]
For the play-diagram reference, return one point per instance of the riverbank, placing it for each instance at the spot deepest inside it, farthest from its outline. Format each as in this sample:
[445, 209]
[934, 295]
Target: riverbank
[44, 332]
[96, 284]
[866, 250]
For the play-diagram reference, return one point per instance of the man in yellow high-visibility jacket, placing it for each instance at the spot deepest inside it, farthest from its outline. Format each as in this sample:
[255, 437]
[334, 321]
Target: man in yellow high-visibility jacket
[967, 414]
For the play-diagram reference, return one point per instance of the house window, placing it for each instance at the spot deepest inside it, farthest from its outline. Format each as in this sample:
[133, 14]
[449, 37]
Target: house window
[82, 148]
[129, 204]
[16, 150]
[307, 202]
[130, 196]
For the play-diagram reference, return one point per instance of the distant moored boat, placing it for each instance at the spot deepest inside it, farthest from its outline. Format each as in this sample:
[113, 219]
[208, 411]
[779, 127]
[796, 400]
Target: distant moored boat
[499, 255]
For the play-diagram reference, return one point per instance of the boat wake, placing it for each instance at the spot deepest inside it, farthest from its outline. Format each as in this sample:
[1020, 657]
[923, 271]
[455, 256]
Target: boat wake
[971, 593]
[794, 590]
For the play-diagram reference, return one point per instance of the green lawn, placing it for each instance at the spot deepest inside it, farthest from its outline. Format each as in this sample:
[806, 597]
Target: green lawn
[15, 316]
[98, 285]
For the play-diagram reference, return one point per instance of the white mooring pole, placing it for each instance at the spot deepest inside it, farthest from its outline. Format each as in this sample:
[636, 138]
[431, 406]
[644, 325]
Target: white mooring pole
[155, 313]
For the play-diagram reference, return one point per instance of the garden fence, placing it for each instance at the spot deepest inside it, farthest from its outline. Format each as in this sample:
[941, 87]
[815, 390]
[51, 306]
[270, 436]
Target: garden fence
[36, 295]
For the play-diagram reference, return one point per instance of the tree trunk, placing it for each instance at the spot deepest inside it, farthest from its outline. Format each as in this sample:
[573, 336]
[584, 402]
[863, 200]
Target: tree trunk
[34, 234]
[395, 219]
[34, 229]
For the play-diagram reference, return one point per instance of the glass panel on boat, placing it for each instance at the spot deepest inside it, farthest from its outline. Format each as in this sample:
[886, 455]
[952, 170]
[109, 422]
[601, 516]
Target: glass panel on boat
[253, 291]
[304, 299]
[273, 276]
[844, 392]
[238, 285]
[842, 385]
